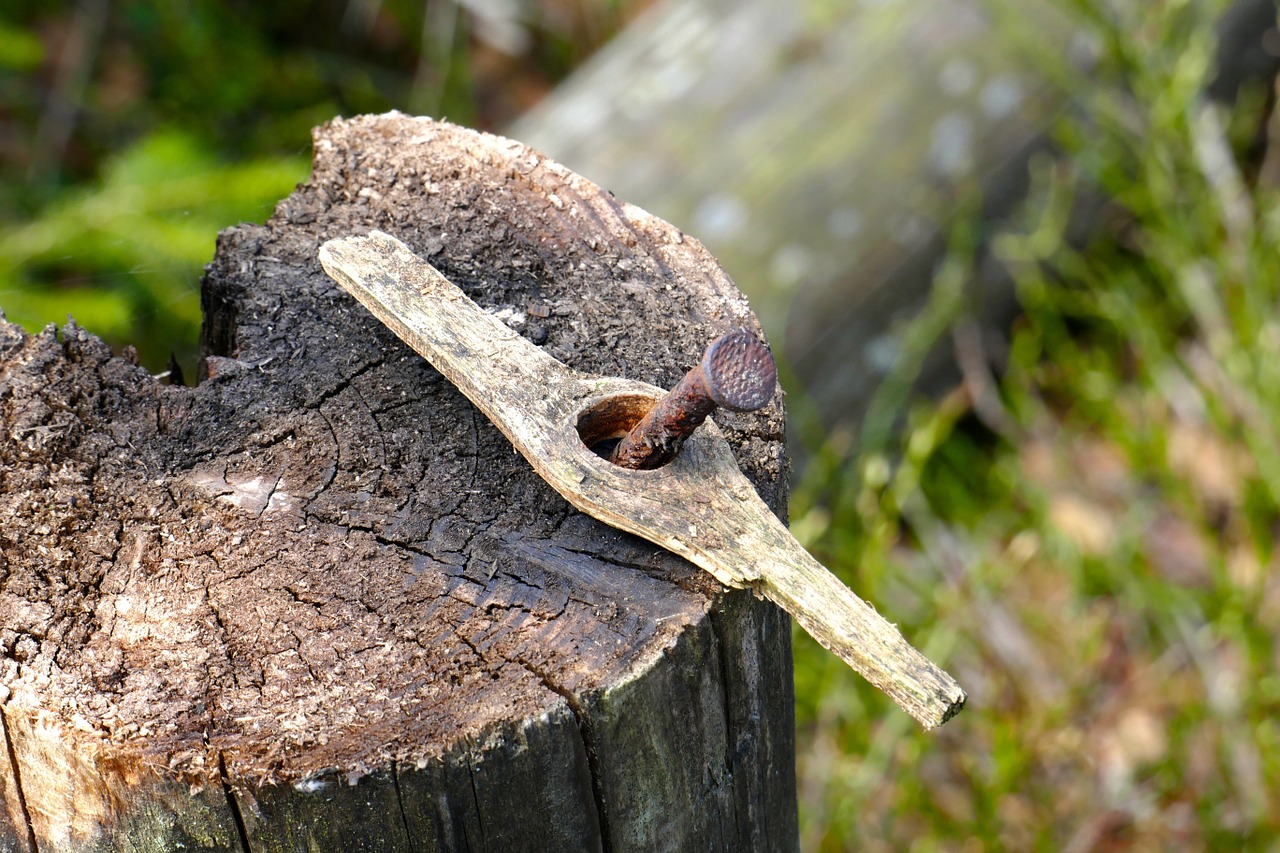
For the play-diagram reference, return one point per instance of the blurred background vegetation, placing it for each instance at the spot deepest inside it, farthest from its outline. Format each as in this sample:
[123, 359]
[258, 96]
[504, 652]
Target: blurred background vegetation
[131, 131]
[1084, 537]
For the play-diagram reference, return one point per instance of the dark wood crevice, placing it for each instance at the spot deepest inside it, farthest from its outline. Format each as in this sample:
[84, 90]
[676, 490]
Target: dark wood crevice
[233, 807]
[15, 775]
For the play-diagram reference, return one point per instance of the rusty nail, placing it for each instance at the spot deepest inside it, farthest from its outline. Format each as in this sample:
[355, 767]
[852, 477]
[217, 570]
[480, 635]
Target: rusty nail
[737, 372]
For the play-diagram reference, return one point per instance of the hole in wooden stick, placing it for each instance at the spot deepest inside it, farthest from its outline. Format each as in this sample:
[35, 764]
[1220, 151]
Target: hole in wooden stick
[603, 424]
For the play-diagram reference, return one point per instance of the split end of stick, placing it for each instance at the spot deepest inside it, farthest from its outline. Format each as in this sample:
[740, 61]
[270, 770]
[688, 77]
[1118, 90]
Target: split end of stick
[916, 684]
[852, 630]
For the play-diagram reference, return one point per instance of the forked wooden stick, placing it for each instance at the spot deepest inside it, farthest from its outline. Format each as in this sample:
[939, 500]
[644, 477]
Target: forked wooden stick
[699, 506]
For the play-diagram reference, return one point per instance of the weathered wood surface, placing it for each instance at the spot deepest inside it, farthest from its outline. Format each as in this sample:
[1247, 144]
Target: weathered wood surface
[698, 506]
[318, 602]
[821, 150]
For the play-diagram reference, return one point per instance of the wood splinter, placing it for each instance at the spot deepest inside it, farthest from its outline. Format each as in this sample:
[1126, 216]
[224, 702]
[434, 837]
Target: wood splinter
[699, 505]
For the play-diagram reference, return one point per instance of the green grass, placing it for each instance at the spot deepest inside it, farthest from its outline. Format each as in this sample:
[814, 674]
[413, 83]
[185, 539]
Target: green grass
[1090, 550]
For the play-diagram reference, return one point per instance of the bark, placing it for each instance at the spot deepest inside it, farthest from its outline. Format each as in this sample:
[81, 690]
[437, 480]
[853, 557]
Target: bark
[318, 602]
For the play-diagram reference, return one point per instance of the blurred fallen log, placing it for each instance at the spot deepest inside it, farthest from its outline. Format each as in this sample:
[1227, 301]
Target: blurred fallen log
[820, 152]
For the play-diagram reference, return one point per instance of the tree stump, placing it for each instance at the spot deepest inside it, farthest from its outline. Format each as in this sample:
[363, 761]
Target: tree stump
[318, 603]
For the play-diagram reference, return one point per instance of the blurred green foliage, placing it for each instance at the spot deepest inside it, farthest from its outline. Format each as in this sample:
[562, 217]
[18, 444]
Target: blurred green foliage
[1088, 541]
[124, 253]
[131, 132]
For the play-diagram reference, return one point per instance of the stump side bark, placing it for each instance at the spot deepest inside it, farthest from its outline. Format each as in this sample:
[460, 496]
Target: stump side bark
[318, 602]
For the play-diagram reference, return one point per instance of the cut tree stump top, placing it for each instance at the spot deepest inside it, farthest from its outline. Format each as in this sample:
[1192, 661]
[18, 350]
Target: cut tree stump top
[319, 592]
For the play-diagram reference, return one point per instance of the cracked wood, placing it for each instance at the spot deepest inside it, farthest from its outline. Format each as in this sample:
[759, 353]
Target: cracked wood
[317, 598]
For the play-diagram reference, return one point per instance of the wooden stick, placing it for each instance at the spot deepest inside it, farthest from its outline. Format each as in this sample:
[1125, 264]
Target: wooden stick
[699, 506]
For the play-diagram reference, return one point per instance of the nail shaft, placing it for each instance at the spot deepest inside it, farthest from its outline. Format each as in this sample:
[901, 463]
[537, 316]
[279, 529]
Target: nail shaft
[737, 372]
